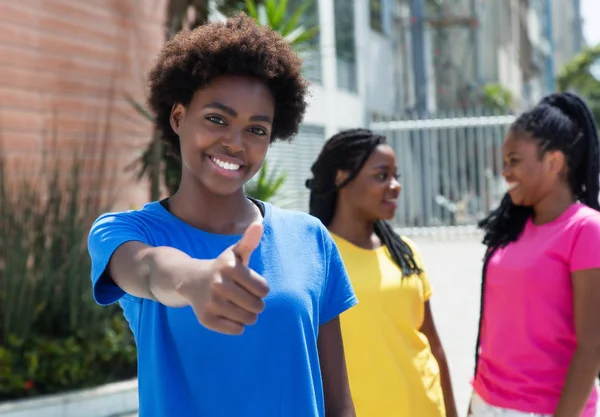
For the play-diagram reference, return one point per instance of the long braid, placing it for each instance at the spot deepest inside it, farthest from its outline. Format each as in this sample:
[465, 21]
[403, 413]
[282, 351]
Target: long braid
[348, 151]
[401, 253]
[560, 122]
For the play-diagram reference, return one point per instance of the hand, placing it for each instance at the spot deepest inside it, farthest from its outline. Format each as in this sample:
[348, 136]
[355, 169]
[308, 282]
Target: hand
[225, 294]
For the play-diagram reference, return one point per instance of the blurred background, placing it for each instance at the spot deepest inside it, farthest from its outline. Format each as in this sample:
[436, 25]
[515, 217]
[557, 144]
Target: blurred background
[442, 79]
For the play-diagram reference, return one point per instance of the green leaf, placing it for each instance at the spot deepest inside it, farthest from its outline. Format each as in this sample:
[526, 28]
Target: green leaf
[281, 8]
[251, 9]
[266, 185]
[301, 35]
[577, 76]
[294, 20]
[139, 108]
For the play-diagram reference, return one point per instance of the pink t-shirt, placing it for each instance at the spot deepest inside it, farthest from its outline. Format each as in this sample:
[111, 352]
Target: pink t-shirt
[528, 331]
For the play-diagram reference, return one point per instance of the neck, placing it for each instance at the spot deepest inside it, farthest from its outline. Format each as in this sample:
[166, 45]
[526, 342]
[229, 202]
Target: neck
[355, 229]
[553, 205]
[204, 210]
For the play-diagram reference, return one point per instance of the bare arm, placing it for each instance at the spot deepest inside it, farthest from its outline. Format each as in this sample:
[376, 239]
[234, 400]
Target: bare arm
[338, 400]
[148, 272]
[429, 330]
[585, 363]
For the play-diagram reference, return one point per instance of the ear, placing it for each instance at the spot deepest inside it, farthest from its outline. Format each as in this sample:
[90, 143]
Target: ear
[340, 177]
[177, 114]
[557, 162]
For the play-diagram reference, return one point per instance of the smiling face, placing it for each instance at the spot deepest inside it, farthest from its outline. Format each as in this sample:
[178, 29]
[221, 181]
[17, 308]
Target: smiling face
[225, 132]
[530, 176]
[374, 191]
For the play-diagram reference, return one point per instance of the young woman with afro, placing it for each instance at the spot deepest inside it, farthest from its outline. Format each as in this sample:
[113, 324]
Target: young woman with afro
[233, 303]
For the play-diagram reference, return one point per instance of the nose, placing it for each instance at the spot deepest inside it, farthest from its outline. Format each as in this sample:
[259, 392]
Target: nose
[234, 140]
[395, 186]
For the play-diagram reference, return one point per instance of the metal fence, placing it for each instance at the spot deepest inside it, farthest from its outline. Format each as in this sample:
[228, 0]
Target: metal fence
[451, 170]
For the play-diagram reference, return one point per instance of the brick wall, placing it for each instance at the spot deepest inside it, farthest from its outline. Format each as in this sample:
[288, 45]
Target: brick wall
[66, 67]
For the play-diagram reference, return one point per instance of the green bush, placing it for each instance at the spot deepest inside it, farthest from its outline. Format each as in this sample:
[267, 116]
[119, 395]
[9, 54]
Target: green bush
[53, 337]
[42, 364]
[265, 185]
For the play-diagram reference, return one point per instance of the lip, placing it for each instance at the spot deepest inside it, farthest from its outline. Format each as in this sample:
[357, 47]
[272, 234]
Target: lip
[226, 172]
[391, 203]
[512, 185]
[227, 158]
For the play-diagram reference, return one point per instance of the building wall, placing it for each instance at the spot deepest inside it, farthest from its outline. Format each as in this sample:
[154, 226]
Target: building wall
[67, 67]
[381, 78]
[567, 32]
[65, 70]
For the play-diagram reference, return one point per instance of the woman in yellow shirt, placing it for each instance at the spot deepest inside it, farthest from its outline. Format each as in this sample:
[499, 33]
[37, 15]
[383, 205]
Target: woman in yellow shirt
[396, 363]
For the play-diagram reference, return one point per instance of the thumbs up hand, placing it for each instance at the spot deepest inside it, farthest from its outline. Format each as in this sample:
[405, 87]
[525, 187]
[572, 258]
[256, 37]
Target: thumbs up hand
[224, 293]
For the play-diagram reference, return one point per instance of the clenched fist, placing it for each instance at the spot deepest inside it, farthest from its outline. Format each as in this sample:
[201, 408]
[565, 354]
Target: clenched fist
[225, 294]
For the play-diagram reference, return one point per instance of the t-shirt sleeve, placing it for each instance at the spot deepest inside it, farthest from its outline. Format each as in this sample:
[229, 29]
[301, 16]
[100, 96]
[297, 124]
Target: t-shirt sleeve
[109, 232]
[427, 291]
[338, 295]
[585, 253]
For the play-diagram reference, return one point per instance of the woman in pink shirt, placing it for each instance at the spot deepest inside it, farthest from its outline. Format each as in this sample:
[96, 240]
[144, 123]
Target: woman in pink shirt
[539, 341]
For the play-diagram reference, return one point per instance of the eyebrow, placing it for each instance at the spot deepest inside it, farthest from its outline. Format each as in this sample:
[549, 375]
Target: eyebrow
[233, 113]
[385, 166]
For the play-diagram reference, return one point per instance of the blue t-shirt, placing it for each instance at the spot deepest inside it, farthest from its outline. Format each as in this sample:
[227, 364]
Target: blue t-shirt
[272, 369]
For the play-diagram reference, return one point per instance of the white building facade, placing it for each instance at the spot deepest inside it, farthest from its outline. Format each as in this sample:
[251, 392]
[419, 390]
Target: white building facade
[362, 67]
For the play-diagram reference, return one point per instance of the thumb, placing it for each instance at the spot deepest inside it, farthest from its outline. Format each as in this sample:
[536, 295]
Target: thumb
[249, 242]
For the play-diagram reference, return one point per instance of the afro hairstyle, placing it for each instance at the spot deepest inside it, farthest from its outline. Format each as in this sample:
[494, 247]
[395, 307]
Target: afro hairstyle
[237, 46]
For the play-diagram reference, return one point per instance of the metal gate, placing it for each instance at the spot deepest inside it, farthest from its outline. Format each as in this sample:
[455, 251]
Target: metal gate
[451, 170]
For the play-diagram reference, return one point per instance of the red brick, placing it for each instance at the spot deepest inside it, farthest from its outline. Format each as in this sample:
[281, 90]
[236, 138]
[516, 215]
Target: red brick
[65, 69]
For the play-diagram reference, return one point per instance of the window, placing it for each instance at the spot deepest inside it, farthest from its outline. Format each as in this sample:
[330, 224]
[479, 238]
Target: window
[295, 159]
[345, 44]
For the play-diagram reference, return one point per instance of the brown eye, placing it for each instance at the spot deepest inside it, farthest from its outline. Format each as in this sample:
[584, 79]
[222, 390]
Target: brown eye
[216, 120]
[259, 131]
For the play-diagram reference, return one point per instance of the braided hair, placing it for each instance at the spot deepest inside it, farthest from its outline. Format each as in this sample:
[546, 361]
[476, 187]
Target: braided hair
[348, 151]
[560, 122]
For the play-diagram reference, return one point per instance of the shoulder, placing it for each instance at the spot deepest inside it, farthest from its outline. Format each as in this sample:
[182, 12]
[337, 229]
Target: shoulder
[300, 230]
[582, 221]
[295, 221]
[127, 225]
[585, 216]
[582, 239]
[147, 214]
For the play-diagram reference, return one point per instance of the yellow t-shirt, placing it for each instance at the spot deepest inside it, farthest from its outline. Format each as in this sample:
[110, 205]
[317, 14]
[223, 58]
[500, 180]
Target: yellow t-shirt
[390, 365]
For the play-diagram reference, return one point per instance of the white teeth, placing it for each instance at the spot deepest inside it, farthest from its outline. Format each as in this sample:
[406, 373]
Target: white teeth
[226, 165]
[512, 185]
